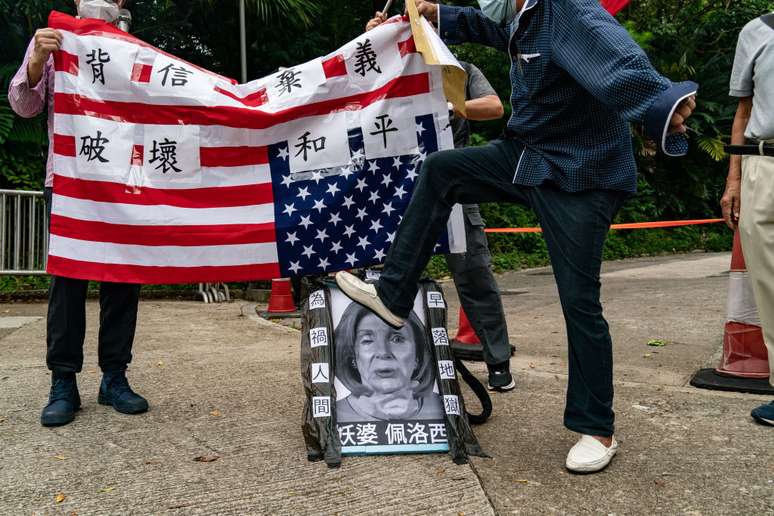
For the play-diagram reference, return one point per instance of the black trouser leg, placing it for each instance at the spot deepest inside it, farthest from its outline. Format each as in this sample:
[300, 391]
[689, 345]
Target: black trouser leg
[470, 175]
[575, 226]
[66, 324]
[117, 323]
[478, 291]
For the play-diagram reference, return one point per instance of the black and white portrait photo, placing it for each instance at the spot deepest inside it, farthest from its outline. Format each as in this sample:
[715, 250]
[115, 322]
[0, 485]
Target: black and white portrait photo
[386, 382]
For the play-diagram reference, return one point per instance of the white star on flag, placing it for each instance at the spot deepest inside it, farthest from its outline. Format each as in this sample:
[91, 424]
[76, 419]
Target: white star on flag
[361, 213]
[376, 225]
[361, 184]
[373, 166]
[316, 176]
[335, 219]
[387, 180]
[333, 188]
[420, 128]
[318, 205]
[379, 255]
[363, 242]
[286, 180]
[349, 230]
[391, 237]
[323, 263]
[309, 251]
[374, 197]
[283, 153]
[346, 171]
[388, 209]
[336, 247]
[303, 193]
[321, 235]
[306, 221]
[397, 163]
[400, 192]
[412, 174]
[289, 209]
[349, 202]
[292, 238]
[295, 267]
[351, 259]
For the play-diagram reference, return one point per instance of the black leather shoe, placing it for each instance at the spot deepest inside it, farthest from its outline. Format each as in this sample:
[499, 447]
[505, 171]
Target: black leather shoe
[63, 401]
[115, 391]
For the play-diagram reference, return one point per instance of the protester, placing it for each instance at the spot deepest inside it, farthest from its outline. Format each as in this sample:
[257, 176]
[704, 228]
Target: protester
[749, 197]
[577, 80]
[31, 90]
[473, 278]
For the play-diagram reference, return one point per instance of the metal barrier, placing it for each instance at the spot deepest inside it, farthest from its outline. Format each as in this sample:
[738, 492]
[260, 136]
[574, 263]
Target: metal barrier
[23, 233]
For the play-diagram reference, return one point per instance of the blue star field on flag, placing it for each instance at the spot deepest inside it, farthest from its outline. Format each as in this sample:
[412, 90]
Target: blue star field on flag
[346, 217]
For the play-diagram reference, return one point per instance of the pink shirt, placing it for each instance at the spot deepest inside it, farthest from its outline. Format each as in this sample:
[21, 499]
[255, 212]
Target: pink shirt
[29, 102]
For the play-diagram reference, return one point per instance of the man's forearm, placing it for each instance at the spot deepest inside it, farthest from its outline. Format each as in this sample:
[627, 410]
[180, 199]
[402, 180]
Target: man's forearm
[484, 108]
[741, 119]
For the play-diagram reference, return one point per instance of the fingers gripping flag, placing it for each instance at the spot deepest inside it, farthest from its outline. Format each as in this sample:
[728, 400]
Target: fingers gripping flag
[168, 173]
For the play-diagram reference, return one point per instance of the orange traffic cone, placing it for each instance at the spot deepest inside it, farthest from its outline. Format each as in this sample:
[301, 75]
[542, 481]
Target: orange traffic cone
[466, 345]
[744, 365]
[281, 300]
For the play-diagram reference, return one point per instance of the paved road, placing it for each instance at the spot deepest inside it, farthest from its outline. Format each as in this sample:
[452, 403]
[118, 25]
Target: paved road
[225, 385]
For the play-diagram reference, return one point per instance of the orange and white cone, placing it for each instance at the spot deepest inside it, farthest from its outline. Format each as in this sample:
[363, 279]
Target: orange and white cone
[466, 345]
[744, 351]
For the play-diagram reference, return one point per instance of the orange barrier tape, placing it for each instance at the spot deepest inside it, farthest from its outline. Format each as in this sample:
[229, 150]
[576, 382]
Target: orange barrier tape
[630, 225]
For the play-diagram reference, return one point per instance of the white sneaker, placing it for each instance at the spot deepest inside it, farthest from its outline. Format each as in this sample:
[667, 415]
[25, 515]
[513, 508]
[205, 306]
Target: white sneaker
[589, 455]
[365, 294]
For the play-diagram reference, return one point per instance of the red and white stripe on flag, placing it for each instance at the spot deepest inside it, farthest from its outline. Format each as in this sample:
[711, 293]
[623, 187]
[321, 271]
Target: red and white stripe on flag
[162, 172]
[613, 6]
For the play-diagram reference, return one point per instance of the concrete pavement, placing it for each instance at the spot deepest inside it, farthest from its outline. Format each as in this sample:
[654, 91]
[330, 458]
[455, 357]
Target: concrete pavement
[225, 387]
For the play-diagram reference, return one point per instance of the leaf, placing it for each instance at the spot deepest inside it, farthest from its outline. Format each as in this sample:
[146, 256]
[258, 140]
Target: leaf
[60, 457]
[216, 413]
[60, 497]
[206, 458]
[107, 489]
[657, 343]
[713, 147]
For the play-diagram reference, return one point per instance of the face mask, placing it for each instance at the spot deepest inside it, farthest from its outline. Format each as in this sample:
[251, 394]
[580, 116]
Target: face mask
[498, 10]
[100, 9]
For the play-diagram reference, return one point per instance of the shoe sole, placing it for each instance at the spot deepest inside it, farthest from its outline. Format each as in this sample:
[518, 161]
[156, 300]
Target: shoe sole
[504, 388]
[103, 401]
[584, 470]
[354, 293]
[764, 421]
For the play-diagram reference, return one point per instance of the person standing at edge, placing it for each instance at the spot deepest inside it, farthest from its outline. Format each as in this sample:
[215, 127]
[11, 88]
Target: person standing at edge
[473, 278]
[577, 80]
[749, 197]
[31, 89]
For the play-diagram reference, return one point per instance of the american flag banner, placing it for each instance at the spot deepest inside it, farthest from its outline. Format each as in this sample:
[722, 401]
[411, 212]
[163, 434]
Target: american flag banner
[168, 173]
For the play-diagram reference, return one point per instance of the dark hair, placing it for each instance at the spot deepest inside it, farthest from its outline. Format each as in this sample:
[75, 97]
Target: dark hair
[344, 344]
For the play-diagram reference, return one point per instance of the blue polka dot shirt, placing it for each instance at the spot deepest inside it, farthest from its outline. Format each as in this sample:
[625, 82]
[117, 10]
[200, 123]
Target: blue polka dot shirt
[578, 80]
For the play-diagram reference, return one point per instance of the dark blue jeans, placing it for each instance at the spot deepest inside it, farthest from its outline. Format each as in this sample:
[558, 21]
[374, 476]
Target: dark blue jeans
[575, 226]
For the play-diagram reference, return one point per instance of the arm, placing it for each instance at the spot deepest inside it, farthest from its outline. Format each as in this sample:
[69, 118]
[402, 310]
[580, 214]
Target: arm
[463, 24]
[601, 56]
[483, 103]
[484, 108]
[731, 200]
[27, 90]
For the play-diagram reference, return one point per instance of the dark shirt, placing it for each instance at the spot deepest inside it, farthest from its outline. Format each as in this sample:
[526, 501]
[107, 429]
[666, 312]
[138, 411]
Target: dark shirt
[577, 80]
[476, 87]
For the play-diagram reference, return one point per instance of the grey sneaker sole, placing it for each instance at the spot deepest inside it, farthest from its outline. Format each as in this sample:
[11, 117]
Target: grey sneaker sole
[504, 388]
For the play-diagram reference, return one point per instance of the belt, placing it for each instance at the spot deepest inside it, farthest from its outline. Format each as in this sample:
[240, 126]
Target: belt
[752, 148]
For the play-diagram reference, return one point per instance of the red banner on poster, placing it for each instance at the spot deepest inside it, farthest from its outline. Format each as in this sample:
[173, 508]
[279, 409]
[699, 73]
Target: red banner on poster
[613, 6]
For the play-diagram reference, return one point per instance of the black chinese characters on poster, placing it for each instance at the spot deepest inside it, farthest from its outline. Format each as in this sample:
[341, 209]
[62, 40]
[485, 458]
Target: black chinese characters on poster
[374, 389]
